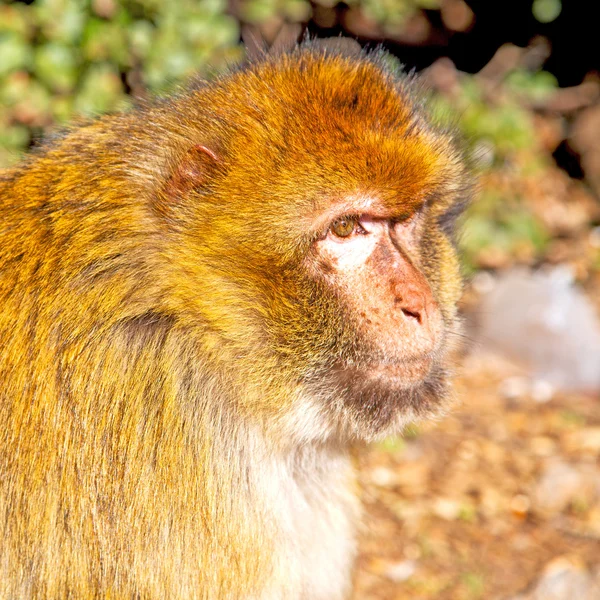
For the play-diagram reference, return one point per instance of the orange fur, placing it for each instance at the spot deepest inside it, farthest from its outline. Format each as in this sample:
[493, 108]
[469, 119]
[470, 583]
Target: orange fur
[154, 439]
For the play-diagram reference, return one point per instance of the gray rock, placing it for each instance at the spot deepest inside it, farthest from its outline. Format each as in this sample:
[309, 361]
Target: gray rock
[544, 320]
[563, 579]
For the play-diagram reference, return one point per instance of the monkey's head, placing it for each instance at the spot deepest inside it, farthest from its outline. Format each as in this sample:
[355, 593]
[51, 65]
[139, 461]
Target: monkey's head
[311, 220]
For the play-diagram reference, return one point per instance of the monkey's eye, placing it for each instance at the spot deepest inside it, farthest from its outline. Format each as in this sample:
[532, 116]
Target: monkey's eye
[344, 226]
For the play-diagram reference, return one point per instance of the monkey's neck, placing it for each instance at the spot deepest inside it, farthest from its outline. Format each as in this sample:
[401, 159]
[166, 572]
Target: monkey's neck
[305, 503]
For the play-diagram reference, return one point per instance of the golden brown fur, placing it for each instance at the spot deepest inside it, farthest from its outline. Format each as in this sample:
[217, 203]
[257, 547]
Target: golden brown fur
[168, 426]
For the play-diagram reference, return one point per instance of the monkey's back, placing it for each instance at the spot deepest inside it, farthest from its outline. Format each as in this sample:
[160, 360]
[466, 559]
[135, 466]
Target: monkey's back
[106, 479]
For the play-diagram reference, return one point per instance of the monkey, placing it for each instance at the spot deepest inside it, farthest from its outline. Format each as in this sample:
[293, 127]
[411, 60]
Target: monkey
[207, 302]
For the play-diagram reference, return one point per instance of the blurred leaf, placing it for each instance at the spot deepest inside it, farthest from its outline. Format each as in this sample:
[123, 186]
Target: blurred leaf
[61, 20]
[33, 107]
[61, 108]
[205, 30]
[571, 419]
[429, 4]
[14, 139]
[297, 11]
[13, 88]
[14, 18]
[501, 223]
[391, 14]
[546, 11]
[15, 53]
[214, 7]
[140, 36]
[258, 11]
[101, 90]
[504, 125]
[534, 86]
[105, 41]
[475, 584]
[56, 66]
[14, 136]
[468, 512]
[226, 31]
[411, 431]
[394, 444]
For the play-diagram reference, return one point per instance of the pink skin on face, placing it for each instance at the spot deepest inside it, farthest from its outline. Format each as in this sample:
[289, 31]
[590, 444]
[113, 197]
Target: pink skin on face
[375, 270]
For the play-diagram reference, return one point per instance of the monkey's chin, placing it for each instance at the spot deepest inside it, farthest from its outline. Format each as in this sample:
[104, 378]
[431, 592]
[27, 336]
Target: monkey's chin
[370, 401]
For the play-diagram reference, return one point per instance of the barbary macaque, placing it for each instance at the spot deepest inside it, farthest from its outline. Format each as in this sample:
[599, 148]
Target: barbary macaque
[205, 302]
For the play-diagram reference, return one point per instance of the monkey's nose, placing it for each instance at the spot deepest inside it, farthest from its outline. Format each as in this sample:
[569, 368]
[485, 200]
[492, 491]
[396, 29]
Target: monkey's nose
[413, 304]
[414, 314]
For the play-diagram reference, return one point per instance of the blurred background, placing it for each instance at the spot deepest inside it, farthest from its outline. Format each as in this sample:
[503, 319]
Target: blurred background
[500, 500]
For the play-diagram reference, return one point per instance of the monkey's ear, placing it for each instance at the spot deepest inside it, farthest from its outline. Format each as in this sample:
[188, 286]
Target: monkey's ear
[192, 171]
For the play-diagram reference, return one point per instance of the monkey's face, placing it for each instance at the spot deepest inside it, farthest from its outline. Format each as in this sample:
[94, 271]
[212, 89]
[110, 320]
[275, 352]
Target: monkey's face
[386, 365]
[372, 261]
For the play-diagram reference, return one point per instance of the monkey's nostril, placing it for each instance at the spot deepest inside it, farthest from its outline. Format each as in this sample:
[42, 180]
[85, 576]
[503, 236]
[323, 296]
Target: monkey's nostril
[414, 314]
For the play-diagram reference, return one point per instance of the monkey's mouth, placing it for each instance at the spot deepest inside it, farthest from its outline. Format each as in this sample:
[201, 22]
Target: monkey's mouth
[405, 372]
[410, 371]
[379, 397]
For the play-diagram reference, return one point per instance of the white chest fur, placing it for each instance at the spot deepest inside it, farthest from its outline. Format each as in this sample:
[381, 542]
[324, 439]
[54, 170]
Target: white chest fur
[313, 508]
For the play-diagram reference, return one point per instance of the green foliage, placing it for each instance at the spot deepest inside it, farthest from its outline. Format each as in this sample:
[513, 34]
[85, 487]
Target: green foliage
[392, 14]
[411, 431]
[475, 584]
[56, 66]
[535, 87]
[260, 11]
[389, 14]
[87, 56]
[500, 223]
[15, 52]
[500, 132]
[393, 445]
[501, 123]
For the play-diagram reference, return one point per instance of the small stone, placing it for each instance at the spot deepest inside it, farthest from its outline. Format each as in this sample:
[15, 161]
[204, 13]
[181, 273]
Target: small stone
[565, 579]
[520, 505]
[447, 509]
[553, 328]
[401, 571]
[514, 387]
[383, 477]
[557, 487]
[484, 282]
[542, 391]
